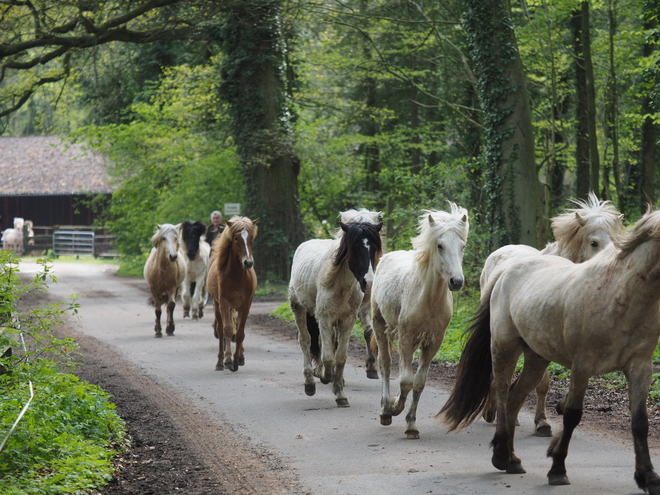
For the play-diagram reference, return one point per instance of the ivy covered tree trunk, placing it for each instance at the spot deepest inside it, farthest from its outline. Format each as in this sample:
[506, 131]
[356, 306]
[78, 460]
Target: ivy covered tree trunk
[649, 127]
[254, 84]
[514, 211]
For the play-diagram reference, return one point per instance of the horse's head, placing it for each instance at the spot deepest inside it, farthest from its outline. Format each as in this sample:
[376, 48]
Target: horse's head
[242, 232]
[166, 238]
[441, 242]
[361, 246]
[191, 232]
[585, 231]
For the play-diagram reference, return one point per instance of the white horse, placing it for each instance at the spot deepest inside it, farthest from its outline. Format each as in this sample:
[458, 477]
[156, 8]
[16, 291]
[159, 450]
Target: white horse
[325, 292]
[164, 272]
[195, 251]
[412, 305]
[12, 239]
[594, 317]
[580, 234]
[364, 313]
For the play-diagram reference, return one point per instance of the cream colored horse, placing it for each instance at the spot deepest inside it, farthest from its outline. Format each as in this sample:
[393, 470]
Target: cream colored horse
[595, 317]
[413, 305]
[12, 239]
[580, 234]
[164, 272]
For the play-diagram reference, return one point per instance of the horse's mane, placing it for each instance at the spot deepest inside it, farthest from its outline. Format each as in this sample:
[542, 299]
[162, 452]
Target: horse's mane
[426, 240]
[162, 230]
[362, 215]
[191, 232]
[647, 228]
[222, 244]
[589, 215]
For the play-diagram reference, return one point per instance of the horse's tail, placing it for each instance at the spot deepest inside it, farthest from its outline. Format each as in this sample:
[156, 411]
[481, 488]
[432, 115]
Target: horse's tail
[472, 386]
[150, 301]
[315, 334]
[163, 300]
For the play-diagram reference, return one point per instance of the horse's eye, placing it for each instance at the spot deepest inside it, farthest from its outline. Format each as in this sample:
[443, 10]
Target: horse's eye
[440, 247]
[594, 244]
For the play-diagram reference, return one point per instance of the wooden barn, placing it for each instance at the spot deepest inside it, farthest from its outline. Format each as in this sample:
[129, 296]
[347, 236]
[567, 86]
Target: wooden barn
[47, 181]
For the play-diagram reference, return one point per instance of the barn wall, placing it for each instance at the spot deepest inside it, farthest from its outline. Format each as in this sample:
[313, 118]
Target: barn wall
[45, 210]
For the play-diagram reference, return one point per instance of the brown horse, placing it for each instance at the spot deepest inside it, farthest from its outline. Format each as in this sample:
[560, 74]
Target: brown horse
[232, 282]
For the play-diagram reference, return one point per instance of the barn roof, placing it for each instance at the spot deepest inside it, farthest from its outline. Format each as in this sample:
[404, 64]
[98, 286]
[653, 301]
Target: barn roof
[45, 165]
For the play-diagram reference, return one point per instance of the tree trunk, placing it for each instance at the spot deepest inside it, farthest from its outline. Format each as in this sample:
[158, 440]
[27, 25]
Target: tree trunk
[253, 82]
[649, 128]
[611, 128]
[511, 182]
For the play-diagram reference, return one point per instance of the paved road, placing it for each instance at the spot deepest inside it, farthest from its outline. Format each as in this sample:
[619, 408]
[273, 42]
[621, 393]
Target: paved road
[333, 451]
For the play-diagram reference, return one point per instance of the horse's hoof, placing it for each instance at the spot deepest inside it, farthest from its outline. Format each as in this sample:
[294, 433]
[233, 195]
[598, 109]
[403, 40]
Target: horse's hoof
[201, 313]
[310, 389]
[229, 365]
[325, 379]
[241, 361]
[219, 367]
[342, 402]
[412, 434]
[158, 335]
[186, 314]
[543, 430]
[195, 318]
[515, 467]
[170, 333]
[372, 374]
[558, 479]
[501, 464]
[385, 419]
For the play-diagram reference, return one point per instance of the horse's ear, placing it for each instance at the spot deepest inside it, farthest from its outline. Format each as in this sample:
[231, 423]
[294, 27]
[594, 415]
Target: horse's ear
[177, 226]
[229, 223]
[431, 220]
[255, 221]
[157, 226]
[343, 226]
[579, 218]
[464, 219]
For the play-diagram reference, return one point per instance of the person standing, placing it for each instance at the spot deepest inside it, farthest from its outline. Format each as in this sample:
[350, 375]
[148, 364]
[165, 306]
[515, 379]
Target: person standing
[216, 227]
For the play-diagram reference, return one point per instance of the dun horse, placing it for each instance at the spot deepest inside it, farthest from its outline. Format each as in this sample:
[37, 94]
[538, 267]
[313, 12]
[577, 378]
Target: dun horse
[595, 317]
[232, 283]
[412, 305]
[164, 272]
[580, 234]
[195, 251]
[328, 280]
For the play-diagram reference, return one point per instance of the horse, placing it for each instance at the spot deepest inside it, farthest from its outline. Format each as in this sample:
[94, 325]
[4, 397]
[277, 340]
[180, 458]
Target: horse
[164, 271]
[580, 234]
[412, 303]
[232, 282]
[195, 251]
[364, 313]
[594, 317]
[326, 289]
[12, 239]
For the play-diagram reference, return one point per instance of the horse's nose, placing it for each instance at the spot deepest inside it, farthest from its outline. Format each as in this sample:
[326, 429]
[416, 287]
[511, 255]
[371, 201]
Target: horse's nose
[173, 257]
[247, 264]
[363, 284]
[455, 283]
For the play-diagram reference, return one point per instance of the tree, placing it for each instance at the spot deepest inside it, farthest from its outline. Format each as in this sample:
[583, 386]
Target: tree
[511, 181]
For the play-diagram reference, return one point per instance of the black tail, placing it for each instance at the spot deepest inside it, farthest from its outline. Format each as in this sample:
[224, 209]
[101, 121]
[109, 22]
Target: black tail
[475, 368]
[314, 333]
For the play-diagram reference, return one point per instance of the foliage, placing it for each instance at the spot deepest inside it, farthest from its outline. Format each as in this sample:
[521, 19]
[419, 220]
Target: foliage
[68, 434]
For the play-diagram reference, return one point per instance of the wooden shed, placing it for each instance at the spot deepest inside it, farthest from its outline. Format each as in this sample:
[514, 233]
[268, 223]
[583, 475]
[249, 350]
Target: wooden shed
[46, 180]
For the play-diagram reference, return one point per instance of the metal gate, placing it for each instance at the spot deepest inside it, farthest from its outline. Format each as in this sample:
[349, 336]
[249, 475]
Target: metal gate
[73, 242]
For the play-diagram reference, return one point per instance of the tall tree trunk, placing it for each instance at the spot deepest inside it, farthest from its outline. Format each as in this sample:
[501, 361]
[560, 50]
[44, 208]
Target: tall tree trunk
[582, 150]
[594, 158]
[649, 128]
[253, 82]
[514, 211]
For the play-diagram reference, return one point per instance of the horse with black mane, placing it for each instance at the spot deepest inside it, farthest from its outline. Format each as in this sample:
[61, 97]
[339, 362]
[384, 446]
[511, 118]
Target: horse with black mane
[195, 251]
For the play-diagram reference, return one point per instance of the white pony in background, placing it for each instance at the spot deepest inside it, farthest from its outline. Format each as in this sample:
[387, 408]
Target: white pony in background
[12, 239]
[412, 305]
[196, 252]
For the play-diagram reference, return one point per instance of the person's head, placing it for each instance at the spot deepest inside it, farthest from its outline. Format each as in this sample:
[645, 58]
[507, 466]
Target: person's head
[216, 218]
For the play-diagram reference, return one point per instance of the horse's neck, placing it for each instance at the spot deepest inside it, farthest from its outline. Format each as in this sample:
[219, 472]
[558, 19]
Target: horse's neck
[433, 287]
[638, 276]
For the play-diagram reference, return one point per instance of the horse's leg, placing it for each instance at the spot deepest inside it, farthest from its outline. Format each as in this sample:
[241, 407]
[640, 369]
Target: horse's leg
[639, 380]
[328, 346]
[169, 329]
[305, 342]
[385, 365]
[219, 334]
[406, 352]
[365, 319]
[185, 297]
[158, 328]
[239, 357]
[227, 331]
[344, 328]
[541, 426]
[428, 351]
[558, 448]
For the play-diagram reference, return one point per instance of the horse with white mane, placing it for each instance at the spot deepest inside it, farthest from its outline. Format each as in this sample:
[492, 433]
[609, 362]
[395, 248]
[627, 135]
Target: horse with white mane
[328, 279]
[196, 252]
[164, 272]
[580, 234]
[413, 305]
[12, 239]
[594, 317]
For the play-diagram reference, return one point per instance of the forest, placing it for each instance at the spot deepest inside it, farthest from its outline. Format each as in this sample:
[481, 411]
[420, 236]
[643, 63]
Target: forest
[300, 109]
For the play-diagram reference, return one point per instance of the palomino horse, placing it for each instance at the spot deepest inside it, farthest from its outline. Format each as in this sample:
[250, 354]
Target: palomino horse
[164, 272]
[12, 239]
[232, 282]
[364, 313]
[594, 317]
[412, 305]
[325, 292]
[580, 234]
[195, 251]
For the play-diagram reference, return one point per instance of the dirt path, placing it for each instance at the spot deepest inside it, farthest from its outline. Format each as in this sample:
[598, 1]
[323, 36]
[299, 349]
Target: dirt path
[189, 437]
